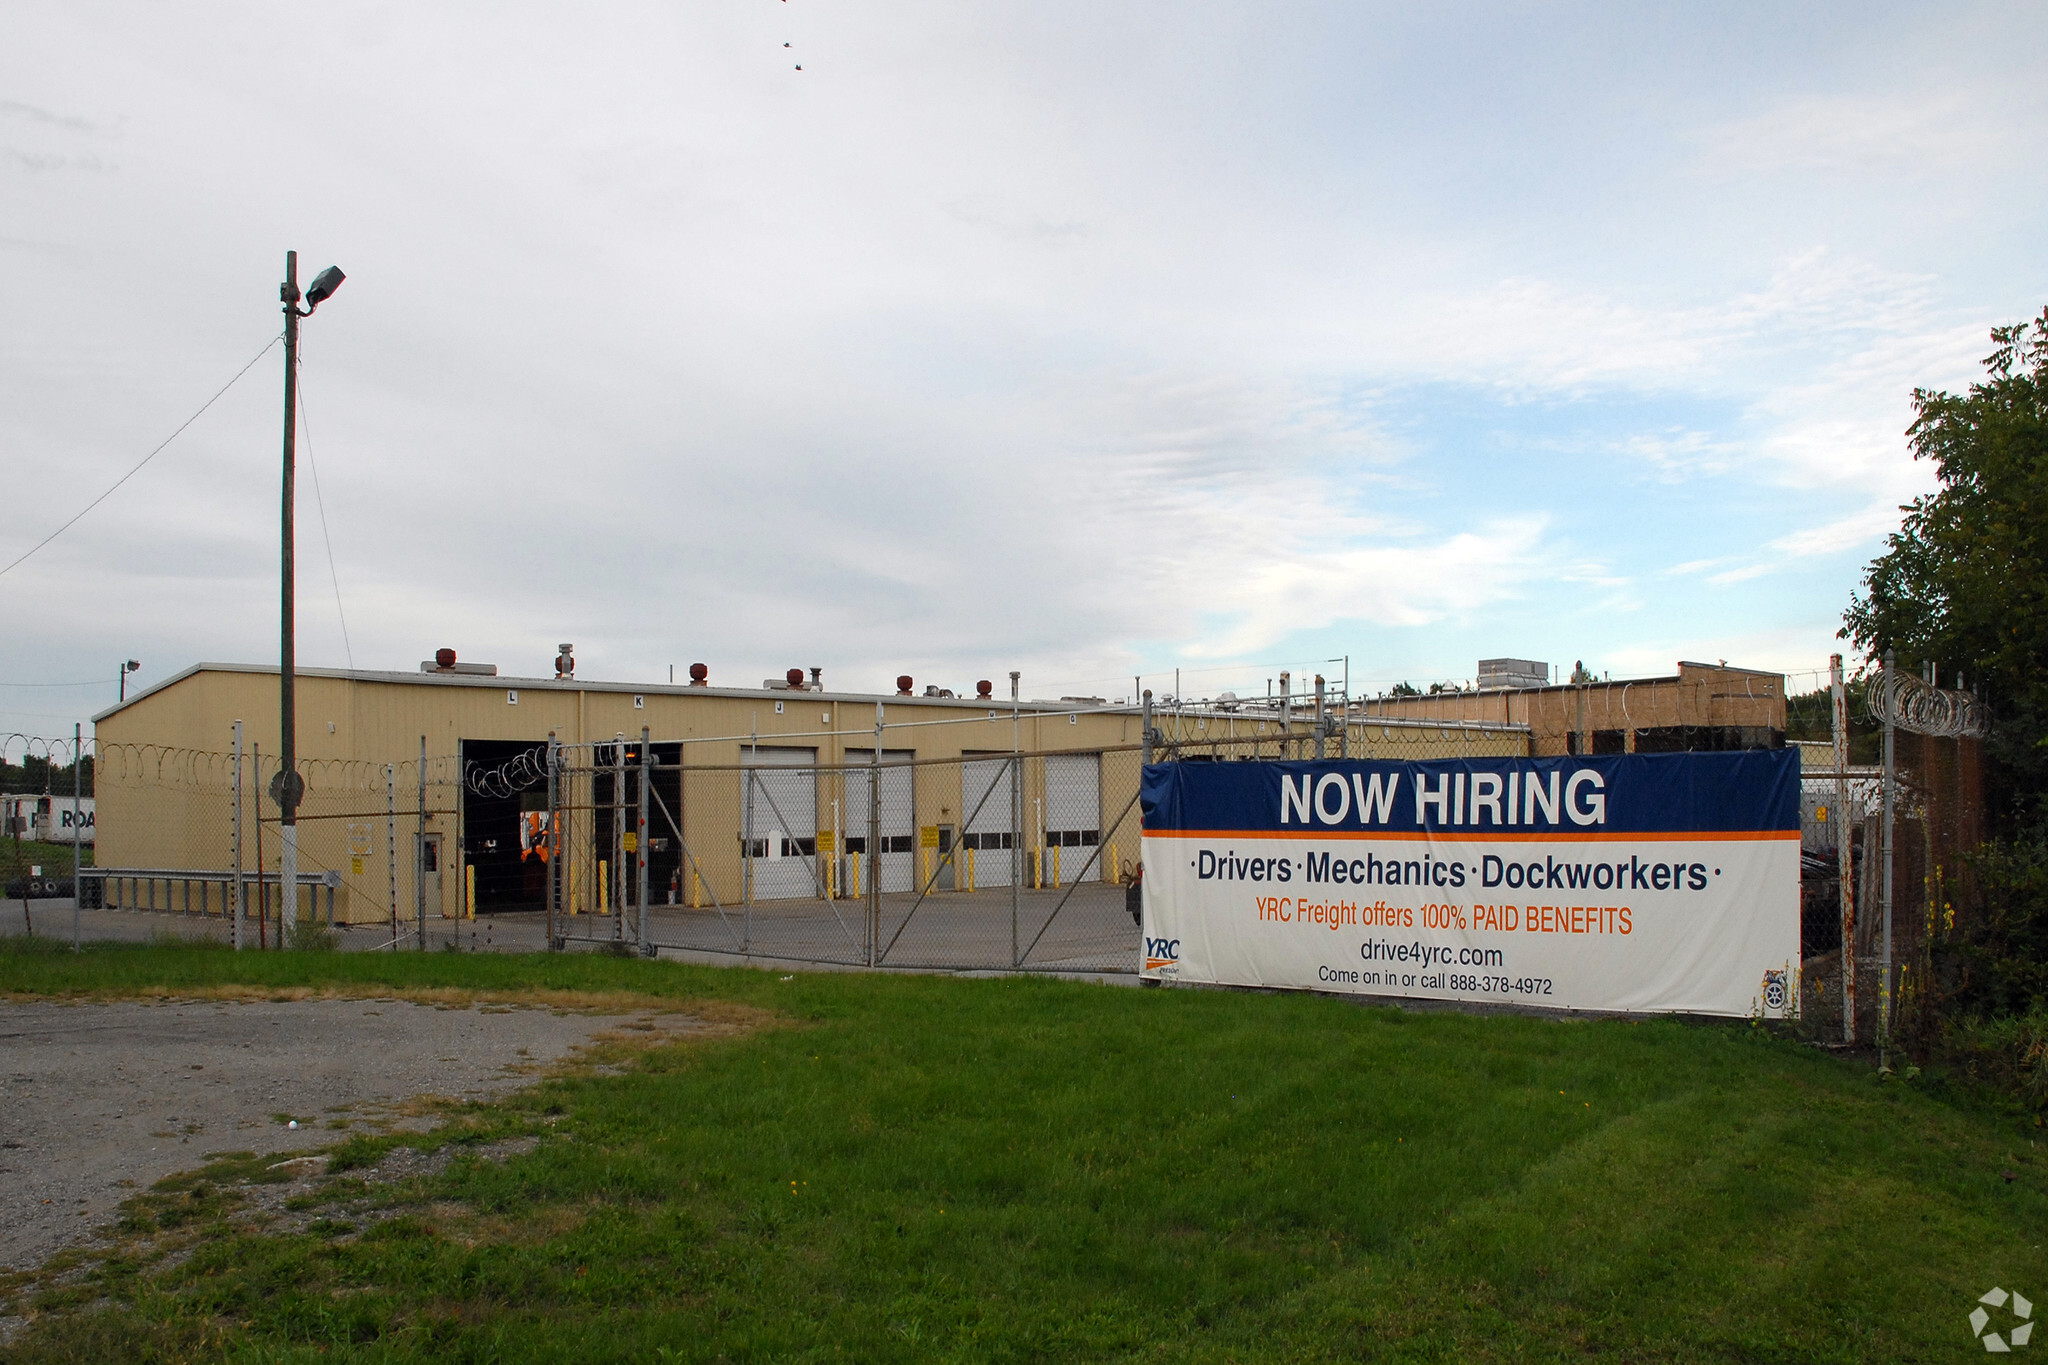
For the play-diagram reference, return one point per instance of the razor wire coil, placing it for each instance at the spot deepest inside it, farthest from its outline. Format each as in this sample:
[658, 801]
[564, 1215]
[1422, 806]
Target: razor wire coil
[507, 779]
[1911, 704]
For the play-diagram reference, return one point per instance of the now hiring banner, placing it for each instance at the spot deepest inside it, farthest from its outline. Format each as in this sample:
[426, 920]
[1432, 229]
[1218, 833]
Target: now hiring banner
[1638, 882]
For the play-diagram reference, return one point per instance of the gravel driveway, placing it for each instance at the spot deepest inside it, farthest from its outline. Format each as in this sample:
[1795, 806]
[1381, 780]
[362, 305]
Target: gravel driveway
[100, 1099]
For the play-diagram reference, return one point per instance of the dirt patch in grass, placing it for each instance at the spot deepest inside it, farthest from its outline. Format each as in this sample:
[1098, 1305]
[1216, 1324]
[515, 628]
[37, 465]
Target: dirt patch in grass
[722, 1016]
[106, 1096]
[243, 1194]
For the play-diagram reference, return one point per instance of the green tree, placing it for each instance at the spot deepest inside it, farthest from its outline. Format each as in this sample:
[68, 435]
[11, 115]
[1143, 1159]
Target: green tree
[1963, 582]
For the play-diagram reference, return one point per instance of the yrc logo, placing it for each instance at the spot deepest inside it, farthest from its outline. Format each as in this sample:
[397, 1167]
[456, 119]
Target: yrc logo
[1162, 953]
[2019, 1331]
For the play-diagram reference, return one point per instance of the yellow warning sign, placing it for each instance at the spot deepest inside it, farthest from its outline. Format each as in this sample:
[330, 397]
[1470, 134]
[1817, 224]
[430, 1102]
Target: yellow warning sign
[827, 841]
[355, 867]
[632, 841]
[928, 837]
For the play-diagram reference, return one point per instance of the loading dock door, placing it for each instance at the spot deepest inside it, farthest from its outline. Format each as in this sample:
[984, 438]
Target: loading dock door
[779, 815]
[989, 829]
[1073, 816]
[505, 786]
[899, 817]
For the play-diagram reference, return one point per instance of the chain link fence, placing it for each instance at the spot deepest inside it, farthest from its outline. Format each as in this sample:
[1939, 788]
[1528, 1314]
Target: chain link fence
[881, 858]
[187, 845]
[1905, 908]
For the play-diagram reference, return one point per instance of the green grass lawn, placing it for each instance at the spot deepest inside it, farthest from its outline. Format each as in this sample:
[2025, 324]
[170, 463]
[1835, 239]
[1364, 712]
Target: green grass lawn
[924, 1168]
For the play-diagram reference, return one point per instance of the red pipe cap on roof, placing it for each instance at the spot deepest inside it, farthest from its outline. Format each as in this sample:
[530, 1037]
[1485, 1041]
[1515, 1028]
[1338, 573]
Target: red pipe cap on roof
[795, 677]
[444, 658]
[698, 673]
[903, 685]
[984, 688]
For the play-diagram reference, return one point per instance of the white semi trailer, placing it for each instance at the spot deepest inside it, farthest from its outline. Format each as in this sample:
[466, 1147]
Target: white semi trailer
[45, 818]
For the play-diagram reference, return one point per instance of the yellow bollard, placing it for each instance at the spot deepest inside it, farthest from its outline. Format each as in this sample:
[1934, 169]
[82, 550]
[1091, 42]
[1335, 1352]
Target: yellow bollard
[1054, 884]
[696, 889]
[970, 869]
[853, 876]
[469, 889]
[604, 900]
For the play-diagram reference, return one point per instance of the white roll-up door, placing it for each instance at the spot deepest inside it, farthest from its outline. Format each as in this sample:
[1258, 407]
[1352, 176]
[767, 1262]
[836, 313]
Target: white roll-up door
[779, 821]
[985, 782]
[899, 816]
[1073, 816]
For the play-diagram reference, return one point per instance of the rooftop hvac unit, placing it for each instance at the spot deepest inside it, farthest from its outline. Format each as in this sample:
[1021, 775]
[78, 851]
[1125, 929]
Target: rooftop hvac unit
[1499, 673]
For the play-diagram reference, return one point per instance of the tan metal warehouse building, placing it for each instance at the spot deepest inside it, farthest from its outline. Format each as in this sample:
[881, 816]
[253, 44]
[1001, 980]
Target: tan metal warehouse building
[758, 794]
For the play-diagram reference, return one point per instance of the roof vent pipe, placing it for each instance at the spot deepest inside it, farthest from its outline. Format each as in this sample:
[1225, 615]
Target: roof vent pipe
[903, 682]
[700, 676]
[817, 680]
[984, 689]
[565, 662]
[444, 658]
[795, 679]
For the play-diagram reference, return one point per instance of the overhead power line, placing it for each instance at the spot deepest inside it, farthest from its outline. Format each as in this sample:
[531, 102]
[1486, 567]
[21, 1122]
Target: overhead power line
[145, 459]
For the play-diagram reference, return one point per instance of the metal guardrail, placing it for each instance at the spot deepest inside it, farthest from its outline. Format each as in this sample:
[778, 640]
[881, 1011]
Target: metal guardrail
[128, 888]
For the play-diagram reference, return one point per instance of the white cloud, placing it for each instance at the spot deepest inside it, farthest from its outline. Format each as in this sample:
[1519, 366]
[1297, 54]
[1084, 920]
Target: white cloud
[1042, 336]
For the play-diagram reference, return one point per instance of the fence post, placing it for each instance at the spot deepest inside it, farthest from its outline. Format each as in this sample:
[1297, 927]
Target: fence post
[874, 915]
[618, 887]
[1319, 717]
[391, 843]
[646, 776]
[1016, 814]
[1344, 714]
[1884, 999]
[236, 838]
[1845, 886]
[554, 852]
[77, 842]
[419, 854]
[262, 894]
[752, 756]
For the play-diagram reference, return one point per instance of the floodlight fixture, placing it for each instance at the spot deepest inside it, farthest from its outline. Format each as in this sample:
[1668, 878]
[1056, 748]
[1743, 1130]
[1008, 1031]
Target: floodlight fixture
[323, 287]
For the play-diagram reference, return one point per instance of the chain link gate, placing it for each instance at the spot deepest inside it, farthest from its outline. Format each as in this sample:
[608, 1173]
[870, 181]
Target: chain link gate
[1005, 862]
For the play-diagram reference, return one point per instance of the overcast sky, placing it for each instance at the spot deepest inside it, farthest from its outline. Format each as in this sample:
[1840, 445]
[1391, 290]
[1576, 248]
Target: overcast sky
[1088, 340]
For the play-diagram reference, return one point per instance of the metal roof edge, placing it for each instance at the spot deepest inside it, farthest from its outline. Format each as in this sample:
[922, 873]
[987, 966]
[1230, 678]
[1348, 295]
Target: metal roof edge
[502, 681]
[152, 689]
